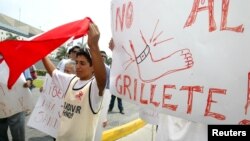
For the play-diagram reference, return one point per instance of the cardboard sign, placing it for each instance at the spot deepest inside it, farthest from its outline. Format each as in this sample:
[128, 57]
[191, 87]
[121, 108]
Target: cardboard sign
[13, 100]
[48, 110]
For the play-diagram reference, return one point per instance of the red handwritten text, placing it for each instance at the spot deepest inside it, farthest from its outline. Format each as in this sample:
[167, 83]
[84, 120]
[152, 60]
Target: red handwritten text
[212, 25]
[126, 14]
[128, 87]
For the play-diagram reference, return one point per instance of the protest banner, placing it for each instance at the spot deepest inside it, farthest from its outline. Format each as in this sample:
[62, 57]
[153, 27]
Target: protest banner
[17, 99]
[149, 115]
[48, 110]
[183, 58]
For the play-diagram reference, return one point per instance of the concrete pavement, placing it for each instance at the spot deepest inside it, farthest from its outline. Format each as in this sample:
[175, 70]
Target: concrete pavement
[132, 131]
[146, 133]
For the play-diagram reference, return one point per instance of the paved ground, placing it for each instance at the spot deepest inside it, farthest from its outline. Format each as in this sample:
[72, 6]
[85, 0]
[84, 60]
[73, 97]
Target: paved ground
[147, 133]
[114, 118]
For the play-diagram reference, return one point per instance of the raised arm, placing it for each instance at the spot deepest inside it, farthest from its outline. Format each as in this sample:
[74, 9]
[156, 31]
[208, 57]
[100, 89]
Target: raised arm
[49, 66]
[98, 64]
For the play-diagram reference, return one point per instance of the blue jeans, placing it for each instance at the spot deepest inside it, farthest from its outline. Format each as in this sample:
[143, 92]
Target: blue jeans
[16, 123]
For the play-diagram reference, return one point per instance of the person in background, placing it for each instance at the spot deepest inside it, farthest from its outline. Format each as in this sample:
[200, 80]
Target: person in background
[29, 82]
[112, 102]
[72, 51]
[33, 75]
[16, 122]
[66, 65]
[28, 78]
[71, 55]
[70, 67]
[83, 91]
[113, 97]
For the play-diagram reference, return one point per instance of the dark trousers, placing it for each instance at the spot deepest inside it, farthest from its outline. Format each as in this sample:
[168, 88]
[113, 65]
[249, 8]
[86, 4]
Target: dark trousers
[112, 102]
[16, 123]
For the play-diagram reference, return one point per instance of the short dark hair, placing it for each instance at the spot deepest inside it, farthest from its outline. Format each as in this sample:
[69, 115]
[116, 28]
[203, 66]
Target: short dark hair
[103, 52]
[73, 48]
[84, 52]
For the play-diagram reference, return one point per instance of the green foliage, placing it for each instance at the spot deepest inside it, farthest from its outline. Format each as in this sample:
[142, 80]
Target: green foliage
[11, 36]
[109, 61]
[41, 72]
[62, 52]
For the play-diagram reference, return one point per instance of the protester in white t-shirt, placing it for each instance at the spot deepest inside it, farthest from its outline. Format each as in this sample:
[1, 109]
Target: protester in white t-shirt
[83, 92]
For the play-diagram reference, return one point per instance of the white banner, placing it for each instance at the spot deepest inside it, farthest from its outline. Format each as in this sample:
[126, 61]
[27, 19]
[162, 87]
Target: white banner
[184, 58]
[15, 100]
[149, 115]
[48, 110]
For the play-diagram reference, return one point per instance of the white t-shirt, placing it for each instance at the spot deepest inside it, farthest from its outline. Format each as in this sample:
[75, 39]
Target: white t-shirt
[171, 128]
[62, 81]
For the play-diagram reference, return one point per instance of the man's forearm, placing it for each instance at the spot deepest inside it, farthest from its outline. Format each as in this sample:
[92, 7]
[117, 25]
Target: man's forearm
[99, 68]
[49, 66]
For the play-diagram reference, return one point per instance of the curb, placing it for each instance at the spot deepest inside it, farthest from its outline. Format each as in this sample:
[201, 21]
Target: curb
[124, 130]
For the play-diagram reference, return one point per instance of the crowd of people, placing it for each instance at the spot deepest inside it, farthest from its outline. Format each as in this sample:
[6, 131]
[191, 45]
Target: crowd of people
[84, 78]
[84, 70]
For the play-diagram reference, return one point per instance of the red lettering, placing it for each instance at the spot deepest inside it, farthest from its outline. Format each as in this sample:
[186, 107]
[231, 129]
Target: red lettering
[48, 104]
[244, 122]
[143, 101]
[119, 90]
[120, 16]
[210, 101]
[190, 95]
[129, 15]
[168, 96]
[126, 85]
[152, 92]
[225, 5]
[56, 122]
[248, 94]
[57, 93]
[46, 119]
[212, 25]
[135, 89]
[192, 17]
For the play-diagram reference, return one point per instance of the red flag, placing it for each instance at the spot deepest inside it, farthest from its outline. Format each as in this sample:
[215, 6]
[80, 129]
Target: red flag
[20, 55]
